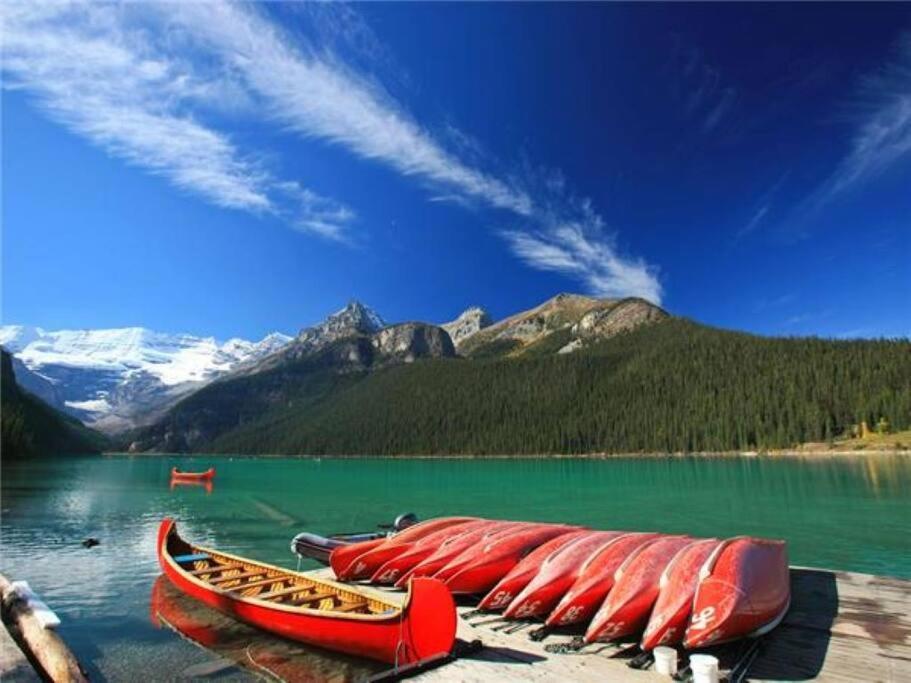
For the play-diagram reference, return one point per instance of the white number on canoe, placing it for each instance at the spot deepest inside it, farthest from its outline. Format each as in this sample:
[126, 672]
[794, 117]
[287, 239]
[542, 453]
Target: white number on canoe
[501, 598]
[700, 621]
[572, 614]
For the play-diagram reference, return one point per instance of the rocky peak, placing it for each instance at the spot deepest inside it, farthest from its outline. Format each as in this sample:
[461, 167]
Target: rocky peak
[471, 320]
[355, 318]
[406, 342]
[611, 320]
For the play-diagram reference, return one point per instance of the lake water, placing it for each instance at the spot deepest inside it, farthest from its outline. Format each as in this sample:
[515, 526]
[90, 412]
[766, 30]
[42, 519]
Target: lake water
[838, 513]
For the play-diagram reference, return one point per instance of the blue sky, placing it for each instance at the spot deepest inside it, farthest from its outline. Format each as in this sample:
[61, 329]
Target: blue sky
[237, 169]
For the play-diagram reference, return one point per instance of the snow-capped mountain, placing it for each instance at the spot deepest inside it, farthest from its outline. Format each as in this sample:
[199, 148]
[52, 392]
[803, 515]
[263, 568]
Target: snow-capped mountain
[118, 378]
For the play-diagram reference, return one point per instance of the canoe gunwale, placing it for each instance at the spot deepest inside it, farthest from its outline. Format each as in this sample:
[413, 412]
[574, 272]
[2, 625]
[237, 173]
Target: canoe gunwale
[336, 588]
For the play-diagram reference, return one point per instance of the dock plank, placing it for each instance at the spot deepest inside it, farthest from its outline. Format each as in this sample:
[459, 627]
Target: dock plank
[841, 627]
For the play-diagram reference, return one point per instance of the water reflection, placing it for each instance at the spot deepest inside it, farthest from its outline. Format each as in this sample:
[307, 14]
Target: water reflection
[207, 485]
[246, 647]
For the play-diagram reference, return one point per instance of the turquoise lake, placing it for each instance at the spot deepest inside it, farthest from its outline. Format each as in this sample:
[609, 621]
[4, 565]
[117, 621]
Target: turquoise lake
[848, 513]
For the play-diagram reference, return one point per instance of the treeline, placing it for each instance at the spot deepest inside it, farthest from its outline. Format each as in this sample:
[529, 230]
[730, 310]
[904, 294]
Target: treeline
[31, 427]
[675, 386]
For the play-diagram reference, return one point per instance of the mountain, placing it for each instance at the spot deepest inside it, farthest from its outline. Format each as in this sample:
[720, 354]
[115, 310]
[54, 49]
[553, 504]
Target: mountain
[115, 379]
[471, 320]
[348, 346]
[564, 323]
[31, 427]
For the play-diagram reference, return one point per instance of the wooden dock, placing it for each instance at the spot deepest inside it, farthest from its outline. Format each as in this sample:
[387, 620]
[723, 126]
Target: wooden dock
[841, 627]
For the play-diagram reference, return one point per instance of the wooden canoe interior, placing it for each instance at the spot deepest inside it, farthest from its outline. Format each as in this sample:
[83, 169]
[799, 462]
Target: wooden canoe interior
[250, 580]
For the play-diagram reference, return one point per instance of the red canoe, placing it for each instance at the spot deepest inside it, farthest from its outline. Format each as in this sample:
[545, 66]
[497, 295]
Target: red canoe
[595, 580]
[557, 574]
[395, 568]
[501, 595]
[452, 548]
[208, 475]
[364, 565]
[321, 613]
[677, 588]
[628, 605]
[744, 591]
[493, 560]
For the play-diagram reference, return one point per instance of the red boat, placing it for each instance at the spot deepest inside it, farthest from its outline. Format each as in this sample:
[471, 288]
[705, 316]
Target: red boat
[452, 548]
[557, 574]
[364, 565]
[595, 580]
[744, 591]
[501, 595]
[677, 588]
[322, 613]
[395, 568]
[208, 475]
[492, 561]
[626, 609]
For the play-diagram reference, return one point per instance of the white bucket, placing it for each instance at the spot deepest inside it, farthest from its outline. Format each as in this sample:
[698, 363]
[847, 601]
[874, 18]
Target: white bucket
[705, 668]
[665, 660]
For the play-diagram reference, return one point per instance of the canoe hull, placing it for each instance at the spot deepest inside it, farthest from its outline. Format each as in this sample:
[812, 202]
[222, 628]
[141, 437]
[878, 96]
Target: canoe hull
[595, 581]
[676, 591]
[424, 627]
[626, 609]
[557, 574]
[744, 591]
[494, 560]
[208, 475]
[502, 595]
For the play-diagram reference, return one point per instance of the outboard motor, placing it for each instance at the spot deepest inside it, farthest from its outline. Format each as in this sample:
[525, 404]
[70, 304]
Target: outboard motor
[405, 521]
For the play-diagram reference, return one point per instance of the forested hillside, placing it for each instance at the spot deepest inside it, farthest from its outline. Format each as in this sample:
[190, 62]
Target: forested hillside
[676, 386]
[31, 427]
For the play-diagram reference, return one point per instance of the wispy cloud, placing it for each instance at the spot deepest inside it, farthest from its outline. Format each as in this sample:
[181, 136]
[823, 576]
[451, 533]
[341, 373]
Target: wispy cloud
[701, 88]
[138, 79]
[763, 207]
[106, 79]
[882, 127]
[311, 92]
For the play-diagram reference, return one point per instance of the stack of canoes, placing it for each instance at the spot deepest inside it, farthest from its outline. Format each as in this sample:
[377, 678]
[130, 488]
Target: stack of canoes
[661, 589]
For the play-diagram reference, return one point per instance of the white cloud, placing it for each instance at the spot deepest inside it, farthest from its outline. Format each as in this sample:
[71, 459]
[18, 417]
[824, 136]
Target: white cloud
[101, 75]
[136, 79]
[882, 135]
[315, 95]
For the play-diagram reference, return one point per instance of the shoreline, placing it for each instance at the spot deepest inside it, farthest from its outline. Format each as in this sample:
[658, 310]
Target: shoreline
[779, 453]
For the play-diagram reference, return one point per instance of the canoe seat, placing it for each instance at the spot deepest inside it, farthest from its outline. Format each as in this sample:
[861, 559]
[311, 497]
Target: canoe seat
[211, 569]
[183, 559]
[242, 575]
[290, 591]
[315, 597]
[260, 582]
[350, 606]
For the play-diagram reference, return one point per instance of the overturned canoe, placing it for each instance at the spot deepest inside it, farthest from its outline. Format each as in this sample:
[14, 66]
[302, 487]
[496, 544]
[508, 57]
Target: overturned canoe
[321, 613]
[556, 575]
[627, 607]
[744, 591]
[676, 590]
[482, 569]
[363, 565]
[208, 475]
[595, 581]
[398, 566]
[452, 548]
[502, 595]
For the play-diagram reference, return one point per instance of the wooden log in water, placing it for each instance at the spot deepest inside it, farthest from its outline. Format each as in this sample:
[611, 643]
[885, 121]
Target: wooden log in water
[43, 645]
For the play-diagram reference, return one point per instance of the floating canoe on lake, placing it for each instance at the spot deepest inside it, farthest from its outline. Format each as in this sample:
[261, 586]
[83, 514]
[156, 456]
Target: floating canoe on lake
[365, 564]
[676, 590]
[626, 609]
[744, 591]
[595, 581]
[557, 573]
[502, 595]
[208, 475]
[313, 611]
